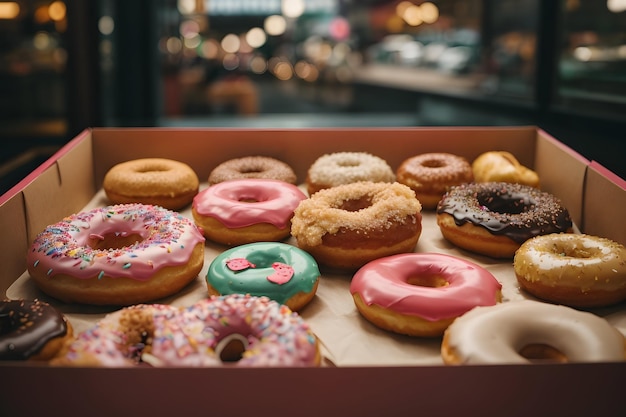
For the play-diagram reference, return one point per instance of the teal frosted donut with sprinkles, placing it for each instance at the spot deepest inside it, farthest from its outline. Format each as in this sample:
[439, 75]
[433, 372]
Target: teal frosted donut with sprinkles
[117, 255]
[236, 330]
[277, 270]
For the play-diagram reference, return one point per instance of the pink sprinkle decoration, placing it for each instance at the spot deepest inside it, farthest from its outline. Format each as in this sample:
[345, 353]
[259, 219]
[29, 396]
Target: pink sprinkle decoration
[282, 275]
[239, 264]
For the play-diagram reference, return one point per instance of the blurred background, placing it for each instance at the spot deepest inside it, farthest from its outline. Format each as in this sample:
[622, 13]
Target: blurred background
[68, 65]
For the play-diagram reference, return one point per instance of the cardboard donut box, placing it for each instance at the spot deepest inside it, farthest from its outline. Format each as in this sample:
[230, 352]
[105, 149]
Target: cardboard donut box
[67, 182]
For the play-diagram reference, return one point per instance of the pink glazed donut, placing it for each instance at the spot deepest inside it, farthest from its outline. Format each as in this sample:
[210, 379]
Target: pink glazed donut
[420, 294]
[243, 211]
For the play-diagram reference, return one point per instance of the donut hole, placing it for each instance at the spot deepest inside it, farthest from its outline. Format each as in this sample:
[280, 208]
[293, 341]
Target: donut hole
[355, 204]
[231, 348]
[433, 163]
[430, 281]
[348, 163]
[113, 241]
[505, 203]
[540, 353]
[574, 251]
[252, 170]
[152, 168]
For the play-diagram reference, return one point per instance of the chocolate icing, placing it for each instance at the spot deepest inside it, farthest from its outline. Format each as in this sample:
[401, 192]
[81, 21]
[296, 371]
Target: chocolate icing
[26, 327]
[516, 211]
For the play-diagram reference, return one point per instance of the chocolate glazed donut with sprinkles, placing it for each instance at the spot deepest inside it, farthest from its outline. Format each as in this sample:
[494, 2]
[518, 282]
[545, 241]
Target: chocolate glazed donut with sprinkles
[117, 255]
[495, 218]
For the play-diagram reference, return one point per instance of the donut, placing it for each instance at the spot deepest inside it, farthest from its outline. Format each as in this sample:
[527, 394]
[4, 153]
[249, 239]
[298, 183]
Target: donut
[577, 270]
[237, 212]
[262, 167]
[152, 181]
[236, 330]
[500, 166]
[116, 255]
[282, 272]
[431, 174]
[32, 330]
[526, 331]
[495, 218]
[349, 225]
[420, 294]
[340, 168]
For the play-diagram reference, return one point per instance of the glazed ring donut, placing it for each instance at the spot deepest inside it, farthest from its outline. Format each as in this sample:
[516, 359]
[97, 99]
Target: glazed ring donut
[117, 255]
[530, 331]
[572, 269]
[156, 181]
[341, 168]
[240, 330]
[430, 175]
[349, 225]
[279, 271]
[495, 218]
[262, 167]
[244, 211]
[500, 166]
[32, 330]
[420, 294]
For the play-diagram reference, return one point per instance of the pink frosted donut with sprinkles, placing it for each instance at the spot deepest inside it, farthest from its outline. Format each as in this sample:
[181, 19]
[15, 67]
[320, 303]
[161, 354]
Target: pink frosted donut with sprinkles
[233, 330]
[117, 255]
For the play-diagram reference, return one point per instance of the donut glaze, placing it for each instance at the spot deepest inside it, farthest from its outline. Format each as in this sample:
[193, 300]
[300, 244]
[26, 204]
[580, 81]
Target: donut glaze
[256, 269]
[498, 334]
[432, 287]
[162, 335]
[27, 327]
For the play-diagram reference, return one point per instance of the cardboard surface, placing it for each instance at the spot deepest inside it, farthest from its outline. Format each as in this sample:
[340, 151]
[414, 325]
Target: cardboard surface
[376, 371]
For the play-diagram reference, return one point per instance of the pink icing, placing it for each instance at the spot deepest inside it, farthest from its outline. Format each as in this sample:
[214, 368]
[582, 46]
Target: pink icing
[241, 203]
[283, 273]
[384, 282]
[239, 264]
[63, 248]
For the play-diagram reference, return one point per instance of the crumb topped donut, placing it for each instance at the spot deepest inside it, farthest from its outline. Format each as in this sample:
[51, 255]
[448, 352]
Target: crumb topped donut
[577, 270]
[430, 175]
[349, 225]
[32, 330]
[501, 166]
[495, 218]
[530, 331]
[155, 181]
[341, 168]
[116, 255]
[276, 270]
[236, 330]
[252, 167]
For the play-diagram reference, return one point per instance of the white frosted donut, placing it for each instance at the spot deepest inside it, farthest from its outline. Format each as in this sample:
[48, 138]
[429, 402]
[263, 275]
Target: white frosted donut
[523, 331]
[341, 168]
[572, 269]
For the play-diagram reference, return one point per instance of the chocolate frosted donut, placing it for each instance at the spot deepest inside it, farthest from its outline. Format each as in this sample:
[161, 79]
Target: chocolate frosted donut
[495, 218]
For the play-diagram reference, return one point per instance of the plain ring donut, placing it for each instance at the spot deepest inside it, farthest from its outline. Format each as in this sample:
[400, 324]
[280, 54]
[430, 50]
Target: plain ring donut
[495, 218]
[573, 269]
[156, 181]
[530, 331]
[262, 167]
[420, 294]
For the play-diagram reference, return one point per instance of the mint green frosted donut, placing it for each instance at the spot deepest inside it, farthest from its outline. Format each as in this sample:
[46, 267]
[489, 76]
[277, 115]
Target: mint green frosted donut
[264, 269]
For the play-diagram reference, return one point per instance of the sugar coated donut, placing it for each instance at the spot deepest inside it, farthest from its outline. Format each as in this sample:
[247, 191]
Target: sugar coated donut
[341, 168]
[244, 211]
[430, 175]
[349, 225]
[262, 167]
[117, 255]
[240, 330]
[572, 269]
[530, 331]
[495, 218]
[500, 166]
[154, 181]
[32, 330]
[420, 294]
[277, 270]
